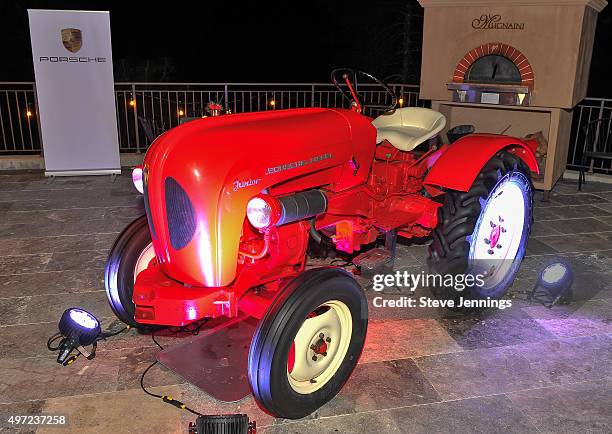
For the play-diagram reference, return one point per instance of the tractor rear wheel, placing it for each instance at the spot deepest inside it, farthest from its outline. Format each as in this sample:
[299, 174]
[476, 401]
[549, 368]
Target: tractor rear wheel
[131, 254]
[308, 343]
[484, 231]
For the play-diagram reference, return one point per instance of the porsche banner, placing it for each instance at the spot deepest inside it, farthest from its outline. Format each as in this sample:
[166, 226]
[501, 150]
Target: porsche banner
[73, 67]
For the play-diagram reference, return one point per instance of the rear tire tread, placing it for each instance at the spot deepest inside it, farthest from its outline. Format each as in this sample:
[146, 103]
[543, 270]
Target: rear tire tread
[457, 218]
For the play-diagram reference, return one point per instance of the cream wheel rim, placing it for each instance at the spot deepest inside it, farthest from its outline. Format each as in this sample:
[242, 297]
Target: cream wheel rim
[499, 232]
[319, 347]
[142, 263]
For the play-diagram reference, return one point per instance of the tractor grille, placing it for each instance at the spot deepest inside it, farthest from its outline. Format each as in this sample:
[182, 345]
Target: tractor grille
[180, 214]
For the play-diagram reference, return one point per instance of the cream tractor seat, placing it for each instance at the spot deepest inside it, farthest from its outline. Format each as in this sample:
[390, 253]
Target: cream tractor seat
[408, 127]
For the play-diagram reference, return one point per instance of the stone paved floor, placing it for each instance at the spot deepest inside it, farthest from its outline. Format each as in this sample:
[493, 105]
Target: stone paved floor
[523, 369]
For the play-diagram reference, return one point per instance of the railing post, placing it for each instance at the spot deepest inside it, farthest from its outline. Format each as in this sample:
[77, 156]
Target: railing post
[312, 95]
[596, 138]
[39, 127]
[226, 96]
[136, 118]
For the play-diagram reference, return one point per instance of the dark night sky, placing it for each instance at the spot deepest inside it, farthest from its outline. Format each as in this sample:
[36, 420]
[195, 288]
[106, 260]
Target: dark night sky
[255, 41]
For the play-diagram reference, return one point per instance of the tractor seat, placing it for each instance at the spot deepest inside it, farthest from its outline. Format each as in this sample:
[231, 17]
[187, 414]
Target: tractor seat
[406, 128]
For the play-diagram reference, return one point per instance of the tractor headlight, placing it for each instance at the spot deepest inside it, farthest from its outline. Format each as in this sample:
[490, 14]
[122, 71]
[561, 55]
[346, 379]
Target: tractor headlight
[260, 212]
[137, 179]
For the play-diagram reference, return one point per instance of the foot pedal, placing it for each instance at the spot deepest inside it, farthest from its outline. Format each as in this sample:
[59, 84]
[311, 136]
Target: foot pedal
[374, 260]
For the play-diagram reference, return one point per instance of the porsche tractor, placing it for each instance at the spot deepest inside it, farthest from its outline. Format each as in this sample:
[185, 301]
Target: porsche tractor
[233, 202]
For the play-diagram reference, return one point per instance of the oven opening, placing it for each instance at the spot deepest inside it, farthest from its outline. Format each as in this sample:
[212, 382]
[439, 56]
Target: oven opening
[493, 68]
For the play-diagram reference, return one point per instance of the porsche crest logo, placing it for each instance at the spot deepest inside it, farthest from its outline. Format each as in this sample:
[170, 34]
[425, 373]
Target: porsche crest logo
[72, 39]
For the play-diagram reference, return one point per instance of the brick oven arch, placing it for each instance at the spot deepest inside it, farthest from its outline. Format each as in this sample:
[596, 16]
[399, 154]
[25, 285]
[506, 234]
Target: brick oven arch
[499, 48]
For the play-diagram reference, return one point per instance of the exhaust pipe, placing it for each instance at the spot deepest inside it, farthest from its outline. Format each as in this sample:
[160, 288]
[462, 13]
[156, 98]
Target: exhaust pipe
[300, 206]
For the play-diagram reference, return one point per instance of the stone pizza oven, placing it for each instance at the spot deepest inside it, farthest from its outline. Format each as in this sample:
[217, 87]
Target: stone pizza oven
[495, 70]
[515, 67]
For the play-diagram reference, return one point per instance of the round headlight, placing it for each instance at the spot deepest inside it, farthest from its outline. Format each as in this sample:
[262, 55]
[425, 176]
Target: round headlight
[259, 212]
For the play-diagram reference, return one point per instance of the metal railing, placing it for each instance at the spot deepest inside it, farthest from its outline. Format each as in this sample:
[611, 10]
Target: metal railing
[19, 129]
[588, 110]
[164, 105]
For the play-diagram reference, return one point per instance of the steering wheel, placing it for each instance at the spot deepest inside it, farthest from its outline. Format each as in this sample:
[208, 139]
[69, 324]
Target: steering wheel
[349, 77]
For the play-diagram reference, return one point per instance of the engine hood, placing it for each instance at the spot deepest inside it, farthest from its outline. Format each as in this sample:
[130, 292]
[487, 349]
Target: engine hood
[200, 176]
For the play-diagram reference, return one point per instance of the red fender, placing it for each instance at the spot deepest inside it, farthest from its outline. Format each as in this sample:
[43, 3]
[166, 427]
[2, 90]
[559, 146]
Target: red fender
[459, 165]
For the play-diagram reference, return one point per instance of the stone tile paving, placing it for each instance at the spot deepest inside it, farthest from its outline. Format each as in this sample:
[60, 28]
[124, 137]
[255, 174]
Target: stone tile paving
[522, 369]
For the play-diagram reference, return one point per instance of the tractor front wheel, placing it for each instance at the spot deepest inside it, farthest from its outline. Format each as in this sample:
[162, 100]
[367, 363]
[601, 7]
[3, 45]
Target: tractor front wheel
[131, 254]
[483, 232]
[308, 343]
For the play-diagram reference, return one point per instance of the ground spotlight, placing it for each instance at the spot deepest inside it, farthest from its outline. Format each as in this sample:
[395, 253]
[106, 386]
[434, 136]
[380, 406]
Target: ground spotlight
[232, 423]
[554, 284]
[77, 330]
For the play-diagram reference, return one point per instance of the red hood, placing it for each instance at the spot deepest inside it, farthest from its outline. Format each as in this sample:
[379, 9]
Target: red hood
[220, 163]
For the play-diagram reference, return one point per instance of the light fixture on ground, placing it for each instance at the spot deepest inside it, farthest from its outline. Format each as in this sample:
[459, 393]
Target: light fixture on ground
[230, 423]
[554, 284]
[77, 329]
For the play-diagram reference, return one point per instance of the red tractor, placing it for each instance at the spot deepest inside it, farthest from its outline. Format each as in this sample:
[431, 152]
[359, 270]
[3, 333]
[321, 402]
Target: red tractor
[233, 201]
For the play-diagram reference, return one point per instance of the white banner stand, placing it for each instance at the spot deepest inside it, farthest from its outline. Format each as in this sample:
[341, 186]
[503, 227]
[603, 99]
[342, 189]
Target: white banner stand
[73, 67]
